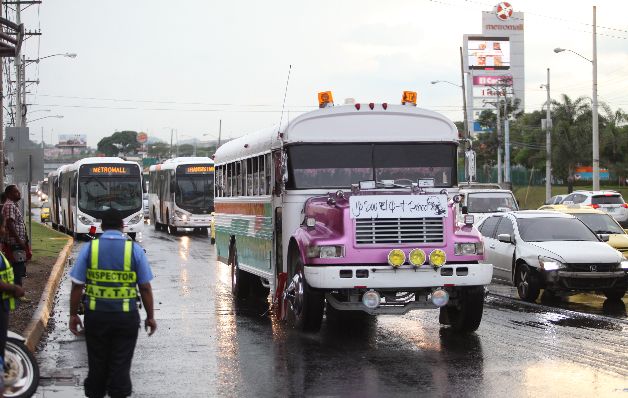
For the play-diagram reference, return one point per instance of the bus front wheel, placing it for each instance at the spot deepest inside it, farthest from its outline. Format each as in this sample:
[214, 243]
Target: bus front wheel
[306, 306]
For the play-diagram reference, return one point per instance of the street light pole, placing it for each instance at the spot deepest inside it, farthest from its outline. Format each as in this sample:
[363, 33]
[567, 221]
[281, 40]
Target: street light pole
[548, 143]
[464, 99]
[596, 133]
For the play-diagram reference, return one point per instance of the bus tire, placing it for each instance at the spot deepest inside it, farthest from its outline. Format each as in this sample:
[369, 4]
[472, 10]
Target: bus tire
[203, 231]
[172, 230]
[306, 306]
[132, 235]
[465, 317]
[239, 279]
[213, 241]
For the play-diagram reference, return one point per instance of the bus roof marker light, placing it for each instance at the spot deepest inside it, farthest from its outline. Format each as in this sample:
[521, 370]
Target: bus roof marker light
[325, 98]
[371, 105]
[385, 106]
[409, 98]
[357, 106]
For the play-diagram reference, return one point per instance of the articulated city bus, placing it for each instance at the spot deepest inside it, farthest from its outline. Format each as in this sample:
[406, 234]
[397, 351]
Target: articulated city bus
[181, 194]
[353, 207]
[91, 186]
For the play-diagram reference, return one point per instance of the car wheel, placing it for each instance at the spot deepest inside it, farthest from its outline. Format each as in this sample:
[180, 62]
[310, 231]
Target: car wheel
[306, 306]
[615, 293]
[466, 315]
[528, 284]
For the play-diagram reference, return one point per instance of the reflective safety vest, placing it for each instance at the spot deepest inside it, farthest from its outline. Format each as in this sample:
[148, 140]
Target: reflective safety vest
[111, 290]
[6, 275]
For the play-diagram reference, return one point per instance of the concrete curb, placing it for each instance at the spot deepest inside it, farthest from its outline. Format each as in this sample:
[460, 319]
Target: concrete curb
[39, 321]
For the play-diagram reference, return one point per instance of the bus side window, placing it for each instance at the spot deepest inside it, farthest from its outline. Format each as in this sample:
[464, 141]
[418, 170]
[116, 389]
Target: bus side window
[261, 179]
[229, 182]
[268, 169]
[238, 178]
[218, 184]
[254, 176]
[249, 176]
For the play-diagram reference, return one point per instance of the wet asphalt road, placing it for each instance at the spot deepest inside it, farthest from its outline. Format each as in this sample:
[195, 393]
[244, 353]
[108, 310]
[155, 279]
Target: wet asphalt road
[206, 346]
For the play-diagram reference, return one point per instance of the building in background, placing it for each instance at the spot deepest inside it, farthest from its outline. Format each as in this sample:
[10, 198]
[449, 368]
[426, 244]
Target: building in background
[494, 62]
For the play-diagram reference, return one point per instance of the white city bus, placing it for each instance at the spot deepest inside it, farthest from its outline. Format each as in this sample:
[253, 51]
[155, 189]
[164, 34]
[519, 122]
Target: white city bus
[181, 194]
[91, 186]
[54, 196]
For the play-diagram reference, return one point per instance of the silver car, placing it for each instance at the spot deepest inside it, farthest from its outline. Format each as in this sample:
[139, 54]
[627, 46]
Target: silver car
[610, 202]
[484, 202]
[537, 250]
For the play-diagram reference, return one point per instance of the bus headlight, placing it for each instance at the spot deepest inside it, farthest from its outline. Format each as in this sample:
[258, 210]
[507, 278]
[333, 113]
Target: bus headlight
[396, 258]
[326, 251]
[417, 257]
[438, 258]
[84, 220]
[181, 215]
[439, 297]
[466, 249]
[136, 219]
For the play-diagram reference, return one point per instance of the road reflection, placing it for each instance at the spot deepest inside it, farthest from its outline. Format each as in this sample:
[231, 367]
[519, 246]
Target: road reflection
[363, 356]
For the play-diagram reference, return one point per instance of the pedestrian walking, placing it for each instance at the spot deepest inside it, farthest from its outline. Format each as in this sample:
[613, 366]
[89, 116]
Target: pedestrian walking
[10, 292]
[16, 245]
[109, 270]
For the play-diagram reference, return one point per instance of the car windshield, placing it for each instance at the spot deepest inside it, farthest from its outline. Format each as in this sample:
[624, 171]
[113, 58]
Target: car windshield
[490, 202]
[340, 165]
[600, 223]
[607, 200]
[544, 229]
[98, 194]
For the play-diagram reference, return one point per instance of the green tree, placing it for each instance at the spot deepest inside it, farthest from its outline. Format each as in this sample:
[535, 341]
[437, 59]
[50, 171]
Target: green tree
[571, 138]
[614, 140]
[159, 150]
[120, 143]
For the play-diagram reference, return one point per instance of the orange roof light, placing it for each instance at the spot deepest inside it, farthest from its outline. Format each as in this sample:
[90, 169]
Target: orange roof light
[325, 98]
[409, 98]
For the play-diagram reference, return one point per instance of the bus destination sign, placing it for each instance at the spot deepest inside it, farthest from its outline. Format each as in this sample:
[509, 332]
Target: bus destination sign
[109, 170]
[199, 169]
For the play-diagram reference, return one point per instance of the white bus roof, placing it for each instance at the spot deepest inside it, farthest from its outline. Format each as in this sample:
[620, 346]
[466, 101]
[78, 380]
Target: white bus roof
[97, 160]
[172, 164]
[343, 124]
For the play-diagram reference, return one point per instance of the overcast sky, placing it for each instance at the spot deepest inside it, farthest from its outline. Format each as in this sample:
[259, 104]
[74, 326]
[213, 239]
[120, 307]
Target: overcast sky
[156, 65]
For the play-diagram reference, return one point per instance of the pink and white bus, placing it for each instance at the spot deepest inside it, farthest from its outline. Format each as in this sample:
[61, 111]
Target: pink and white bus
[350, 208]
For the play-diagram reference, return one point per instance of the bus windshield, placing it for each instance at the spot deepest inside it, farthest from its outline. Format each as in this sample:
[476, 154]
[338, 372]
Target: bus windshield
[195, 193]
[99, 194]
[340, 165]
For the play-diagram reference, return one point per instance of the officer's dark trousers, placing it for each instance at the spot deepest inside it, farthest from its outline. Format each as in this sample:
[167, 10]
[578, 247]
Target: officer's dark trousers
[110, 338]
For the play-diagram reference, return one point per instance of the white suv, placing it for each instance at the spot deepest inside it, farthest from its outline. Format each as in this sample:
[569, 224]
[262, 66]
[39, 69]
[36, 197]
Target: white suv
[483, 203]
[610, 202]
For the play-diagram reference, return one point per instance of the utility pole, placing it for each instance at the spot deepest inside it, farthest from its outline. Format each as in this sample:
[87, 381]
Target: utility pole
[596, 133]
[219, 131]
[171, 133]
[548, 143]
[500, 169]
[1, 119]
[18, 73]
[506, 143]
[464, 99]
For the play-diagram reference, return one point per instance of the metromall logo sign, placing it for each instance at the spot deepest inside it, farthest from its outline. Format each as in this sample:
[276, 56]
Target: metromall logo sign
[503, 11]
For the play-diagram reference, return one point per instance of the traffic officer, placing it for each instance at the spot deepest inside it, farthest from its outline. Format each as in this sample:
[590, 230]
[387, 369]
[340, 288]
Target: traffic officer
[9, 292]
[109, 269]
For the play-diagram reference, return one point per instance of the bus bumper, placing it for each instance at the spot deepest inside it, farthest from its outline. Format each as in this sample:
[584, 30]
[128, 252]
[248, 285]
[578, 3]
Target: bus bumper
[386, 277]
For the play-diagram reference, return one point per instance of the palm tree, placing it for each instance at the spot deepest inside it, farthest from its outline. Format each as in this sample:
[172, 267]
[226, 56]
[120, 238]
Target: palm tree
[571, 143]
[614, 140]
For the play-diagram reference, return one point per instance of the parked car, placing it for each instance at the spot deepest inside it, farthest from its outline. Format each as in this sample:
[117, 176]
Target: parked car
[483, 203]
[598, 222]
[610, 202]
[554, 251]
[555, 200]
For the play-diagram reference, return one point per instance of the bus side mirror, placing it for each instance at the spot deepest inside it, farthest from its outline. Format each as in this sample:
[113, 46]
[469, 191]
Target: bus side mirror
[464, 210]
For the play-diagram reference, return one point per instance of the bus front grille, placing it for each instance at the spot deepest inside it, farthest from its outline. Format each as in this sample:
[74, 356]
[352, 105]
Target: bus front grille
[399, 230]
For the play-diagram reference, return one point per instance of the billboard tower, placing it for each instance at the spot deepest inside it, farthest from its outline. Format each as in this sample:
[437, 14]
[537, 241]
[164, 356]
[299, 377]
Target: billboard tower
[494, 62]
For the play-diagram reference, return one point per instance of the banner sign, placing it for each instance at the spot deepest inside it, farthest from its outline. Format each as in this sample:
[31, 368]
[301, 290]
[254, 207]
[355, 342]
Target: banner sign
[398, 206]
